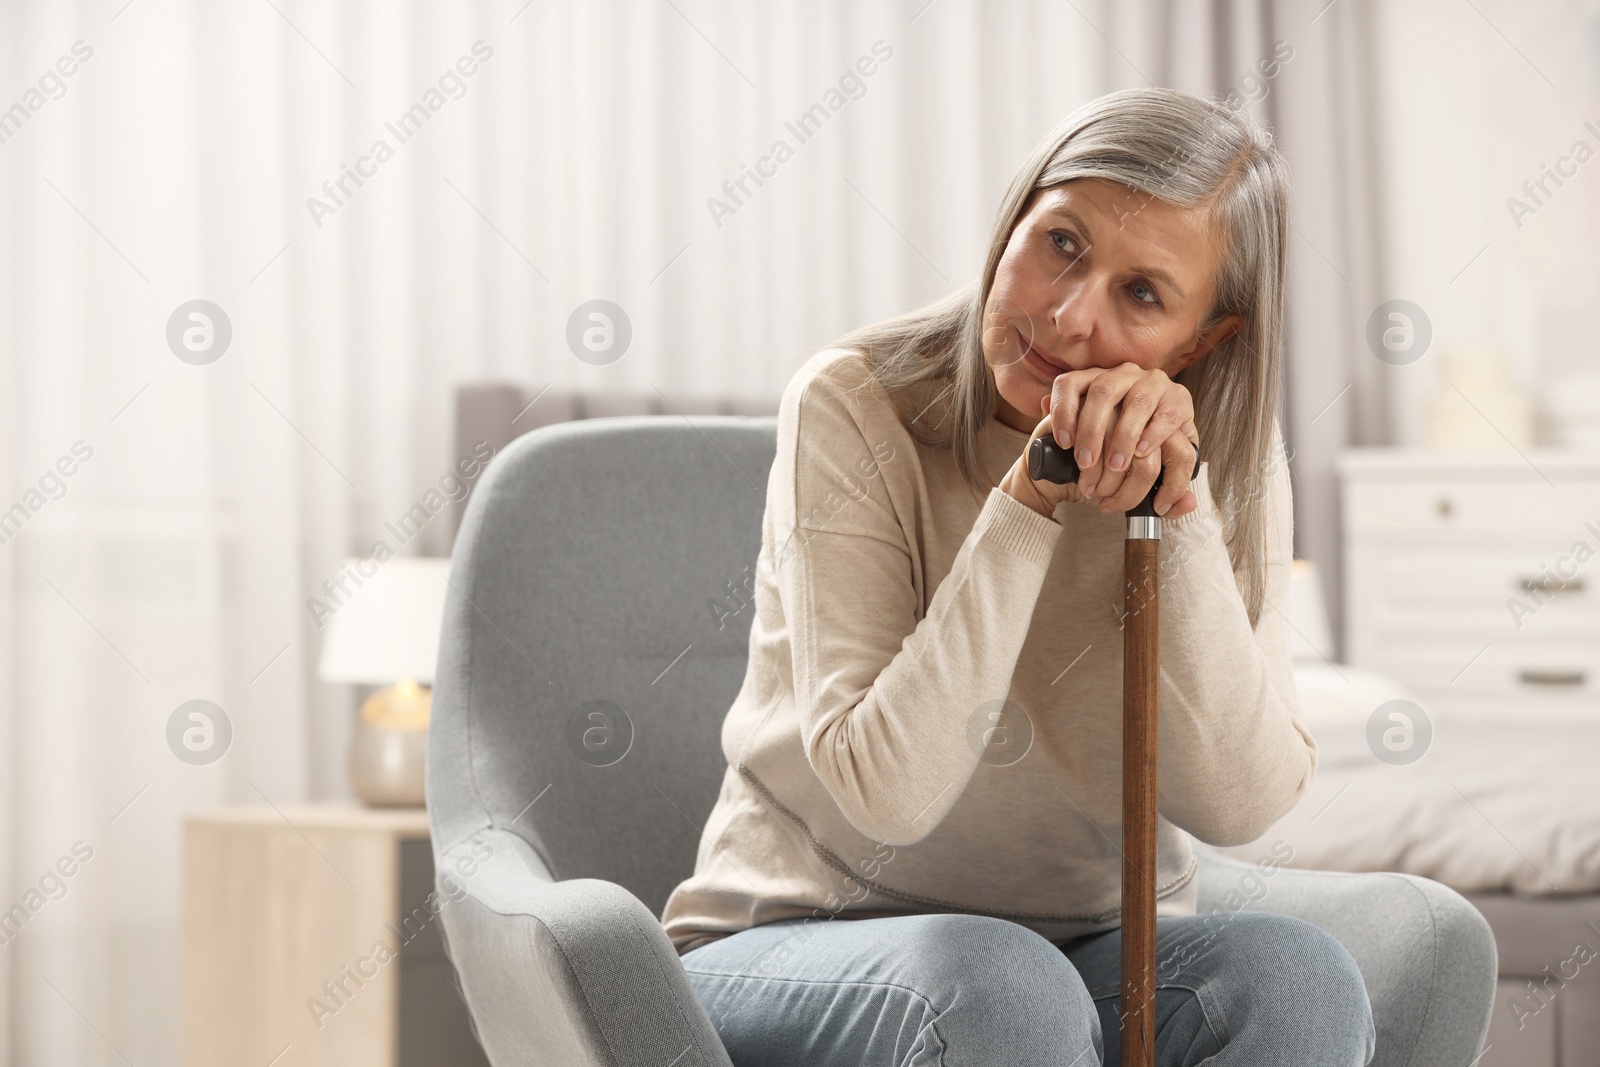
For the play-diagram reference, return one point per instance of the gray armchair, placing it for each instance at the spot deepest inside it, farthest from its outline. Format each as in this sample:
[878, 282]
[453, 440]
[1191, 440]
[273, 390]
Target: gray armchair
[574, 752]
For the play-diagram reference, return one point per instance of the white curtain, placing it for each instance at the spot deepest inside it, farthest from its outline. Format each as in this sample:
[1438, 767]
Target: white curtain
[575, 162]
[1324, 108]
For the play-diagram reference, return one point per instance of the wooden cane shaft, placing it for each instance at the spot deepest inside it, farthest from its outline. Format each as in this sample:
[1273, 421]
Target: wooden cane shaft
[1140, 686]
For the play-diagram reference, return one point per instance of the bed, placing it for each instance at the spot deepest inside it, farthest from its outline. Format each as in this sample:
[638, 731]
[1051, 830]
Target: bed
[1507, 813]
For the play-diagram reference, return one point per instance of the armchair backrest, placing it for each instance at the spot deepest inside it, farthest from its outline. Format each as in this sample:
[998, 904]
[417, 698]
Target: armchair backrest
[595, 633]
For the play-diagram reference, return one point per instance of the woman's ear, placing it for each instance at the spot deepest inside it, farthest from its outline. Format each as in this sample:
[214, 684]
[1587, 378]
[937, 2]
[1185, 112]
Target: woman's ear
[1208, 340]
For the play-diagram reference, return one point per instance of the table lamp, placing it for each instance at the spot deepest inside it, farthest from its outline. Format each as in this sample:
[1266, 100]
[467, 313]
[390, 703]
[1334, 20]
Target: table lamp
[384, 631]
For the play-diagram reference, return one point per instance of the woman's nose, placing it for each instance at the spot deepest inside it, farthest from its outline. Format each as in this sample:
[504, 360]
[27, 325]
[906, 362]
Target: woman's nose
[1075, 307]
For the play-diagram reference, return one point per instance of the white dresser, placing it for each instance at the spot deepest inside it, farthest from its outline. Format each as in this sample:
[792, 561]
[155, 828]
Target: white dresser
[1440, 549]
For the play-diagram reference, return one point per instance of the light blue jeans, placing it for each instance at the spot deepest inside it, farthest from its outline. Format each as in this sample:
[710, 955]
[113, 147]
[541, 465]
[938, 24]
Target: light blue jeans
[1317, 968]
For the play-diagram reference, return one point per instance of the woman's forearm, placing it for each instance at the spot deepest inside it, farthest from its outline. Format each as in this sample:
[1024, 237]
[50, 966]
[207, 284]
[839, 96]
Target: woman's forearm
[886, 715]
[1235, 754]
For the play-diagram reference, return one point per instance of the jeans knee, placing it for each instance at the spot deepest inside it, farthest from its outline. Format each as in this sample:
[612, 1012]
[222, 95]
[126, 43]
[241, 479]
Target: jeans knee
[1302, 977]
[1440, 969]
[1460, 935]
[1004, 993]
[981, 956]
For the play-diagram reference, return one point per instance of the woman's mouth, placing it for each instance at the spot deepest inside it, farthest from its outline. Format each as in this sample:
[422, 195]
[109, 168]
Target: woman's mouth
[1042, 366]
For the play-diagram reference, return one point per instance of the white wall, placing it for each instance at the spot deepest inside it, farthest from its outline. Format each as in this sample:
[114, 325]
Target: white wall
[1475, 98]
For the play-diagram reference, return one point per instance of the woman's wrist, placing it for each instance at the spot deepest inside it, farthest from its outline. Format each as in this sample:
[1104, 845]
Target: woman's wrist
[1017, 485]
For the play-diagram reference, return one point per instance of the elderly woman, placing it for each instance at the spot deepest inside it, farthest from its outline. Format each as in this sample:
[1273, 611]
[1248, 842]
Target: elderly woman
[913, 858]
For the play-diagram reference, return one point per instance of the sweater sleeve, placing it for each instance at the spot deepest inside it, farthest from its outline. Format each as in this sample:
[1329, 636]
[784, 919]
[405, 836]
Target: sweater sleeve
[1234, 753]
[886, 698]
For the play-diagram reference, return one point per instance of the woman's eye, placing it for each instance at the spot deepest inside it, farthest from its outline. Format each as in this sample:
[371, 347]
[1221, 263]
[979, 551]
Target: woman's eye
[1136, 287]
[1064, 237]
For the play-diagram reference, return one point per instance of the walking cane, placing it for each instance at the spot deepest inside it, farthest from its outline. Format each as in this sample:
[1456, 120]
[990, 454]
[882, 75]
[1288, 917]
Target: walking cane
[1141, 680]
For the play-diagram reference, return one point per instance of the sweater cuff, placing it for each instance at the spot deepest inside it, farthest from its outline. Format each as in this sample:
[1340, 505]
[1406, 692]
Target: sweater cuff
[1017, 528]
[1204, 505]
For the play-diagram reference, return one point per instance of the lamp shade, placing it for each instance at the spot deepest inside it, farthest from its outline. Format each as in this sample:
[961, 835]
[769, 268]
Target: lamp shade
[386, 627]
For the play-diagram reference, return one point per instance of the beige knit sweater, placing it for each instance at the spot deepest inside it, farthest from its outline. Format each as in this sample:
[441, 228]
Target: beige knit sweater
[931, 716]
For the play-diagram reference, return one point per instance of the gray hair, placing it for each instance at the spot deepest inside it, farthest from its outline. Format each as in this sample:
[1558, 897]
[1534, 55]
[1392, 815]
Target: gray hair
[1190, 152]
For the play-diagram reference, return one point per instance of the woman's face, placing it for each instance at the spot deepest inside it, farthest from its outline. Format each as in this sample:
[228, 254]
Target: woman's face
[1096, 274]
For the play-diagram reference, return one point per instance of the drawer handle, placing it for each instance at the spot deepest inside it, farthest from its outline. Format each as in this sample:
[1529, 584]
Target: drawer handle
[1553, 585]
[1536, 677]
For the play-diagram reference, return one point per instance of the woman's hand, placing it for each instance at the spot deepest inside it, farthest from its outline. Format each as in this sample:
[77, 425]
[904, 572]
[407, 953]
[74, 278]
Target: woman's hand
[1040, 496]
[1140, 415]
[1127, 424]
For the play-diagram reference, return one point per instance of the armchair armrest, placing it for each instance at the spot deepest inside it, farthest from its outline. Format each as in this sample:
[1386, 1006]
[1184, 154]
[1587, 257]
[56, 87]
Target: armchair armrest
[1408, 935]
[577, 973]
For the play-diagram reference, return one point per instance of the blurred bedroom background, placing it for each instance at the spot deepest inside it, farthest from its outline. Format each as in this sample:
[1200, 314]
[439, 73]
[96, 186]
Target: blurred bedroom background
[270, 271]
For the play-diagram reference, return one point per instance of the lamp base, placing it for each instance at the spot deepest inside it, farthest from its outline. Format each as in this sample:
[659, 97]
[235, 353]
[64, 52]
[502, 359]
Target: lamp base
[388, 755]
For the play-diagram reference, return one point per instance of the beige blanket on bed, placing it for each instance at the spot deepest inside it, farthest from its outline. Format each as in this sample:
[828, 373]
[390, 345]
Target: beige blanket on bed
[1487, 807]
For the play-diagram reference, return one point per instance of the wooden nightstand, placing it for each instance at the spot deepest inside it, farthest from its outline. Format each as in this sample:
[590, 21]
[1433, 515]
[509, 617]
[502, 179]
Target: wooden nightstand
[308, 938]
[1442, 548]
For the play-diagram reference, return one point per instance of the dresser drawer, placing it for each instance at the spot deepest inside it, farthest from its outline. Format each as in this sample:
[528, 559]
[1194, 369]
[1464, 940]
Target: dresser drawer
[1476, 510]
[1547, 668]
[1384, 622]
[1497, 592]
[1406, 575]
